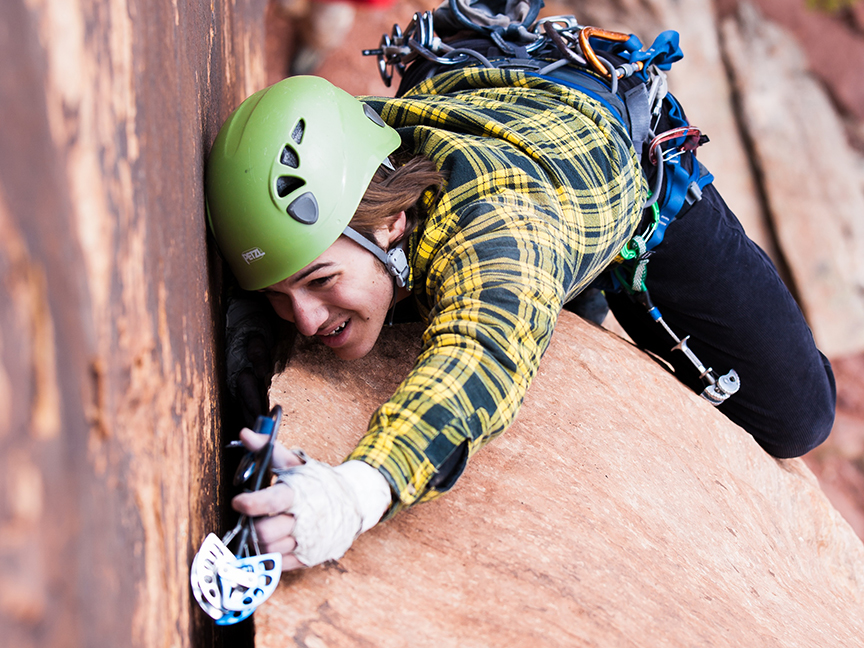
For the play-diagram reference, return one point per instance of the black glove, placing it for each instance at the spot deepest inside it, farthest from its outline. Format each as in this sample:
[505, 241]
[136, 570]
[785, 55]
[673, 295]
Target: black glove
[250, 338]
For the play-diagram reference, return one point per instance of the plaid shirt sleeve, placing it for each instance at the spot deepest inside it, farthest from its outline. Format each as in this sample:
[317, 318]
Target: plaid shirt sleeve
[543, 189]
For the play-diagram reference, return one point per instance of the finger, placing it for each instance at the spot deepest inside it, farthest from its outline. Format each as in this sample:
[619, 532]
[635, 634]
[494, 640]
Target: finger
[252, 440]
[283, 546]
[290, 562]
[269, 501]
[272, 529]
[282, 457]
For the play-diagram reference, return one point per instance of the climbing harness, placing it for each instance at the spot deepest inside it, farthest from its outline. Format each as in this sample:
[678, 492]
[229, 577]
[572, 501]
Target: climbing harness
[613, 68]
[230, 585]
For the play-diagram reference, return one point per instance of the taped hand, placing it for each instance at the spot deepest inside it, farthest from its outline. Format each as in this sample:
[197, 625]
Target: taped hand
[315, 511]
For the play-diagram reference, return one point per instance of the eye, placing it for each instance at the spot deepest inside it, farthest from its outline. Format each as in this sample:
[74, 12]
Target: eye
[320, 282]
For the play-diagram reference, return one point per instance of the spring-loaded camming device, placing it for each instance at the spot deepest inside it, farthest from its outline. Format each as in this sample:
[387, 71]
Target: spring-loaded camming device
[230, 585]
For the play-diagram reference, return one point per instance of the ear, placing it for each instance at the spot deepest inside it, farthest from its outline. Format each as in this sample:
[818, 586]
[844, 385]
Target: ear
[396, 228]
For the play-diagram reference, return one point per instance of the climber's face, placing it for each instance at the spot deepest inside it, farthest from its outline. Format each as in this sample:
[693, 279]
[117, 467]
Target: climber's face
[342, 297]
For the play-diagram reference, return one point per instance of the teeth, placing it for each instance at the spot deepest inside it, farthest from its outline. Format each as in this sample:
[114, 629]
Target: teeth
[338, 329]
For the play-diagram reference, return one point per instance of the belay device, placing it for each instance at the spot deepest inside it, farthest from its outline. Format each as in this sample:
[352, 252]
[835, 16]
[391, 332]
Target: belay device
[611, 67]
[230, 585]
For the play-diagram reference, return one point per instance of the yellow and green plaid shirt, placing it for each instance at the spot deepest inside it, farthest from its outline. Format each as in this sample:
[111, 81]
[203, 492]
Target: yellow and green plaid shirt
[543, 189]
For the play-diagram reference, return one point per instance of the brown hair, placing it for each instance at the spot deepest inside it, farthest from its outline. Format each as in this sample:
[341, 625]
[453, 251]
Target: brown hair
[393, 191]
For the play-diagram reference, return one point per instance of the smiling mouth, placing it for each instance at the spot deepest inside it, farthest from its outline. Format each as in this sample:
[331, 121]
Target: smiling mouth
[338, 329]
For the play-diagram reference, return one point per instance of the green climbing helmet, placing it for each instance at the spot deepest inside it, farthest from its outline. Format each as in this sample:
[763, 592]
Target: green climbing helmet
[286, 174]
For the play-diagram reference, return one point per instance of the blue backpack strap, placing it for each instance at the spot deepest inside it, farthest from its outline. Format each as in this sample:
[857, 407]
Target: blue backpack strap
[590, 85]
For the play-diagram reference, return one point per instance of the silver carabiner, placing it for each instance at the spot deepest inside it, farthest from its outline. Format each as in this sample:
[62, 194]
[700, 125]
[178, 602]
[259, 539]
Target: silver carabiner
[561, 23]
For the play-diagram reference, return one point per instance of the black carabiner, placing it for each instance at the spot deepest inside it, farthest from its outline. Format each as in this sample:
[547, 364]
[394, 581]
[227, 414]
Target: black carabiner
[255, 464]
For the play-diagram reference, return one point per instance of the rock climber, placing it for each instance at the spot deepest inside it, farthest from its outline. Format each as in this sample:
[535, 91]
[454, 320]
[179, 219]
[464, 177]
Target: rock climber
[482, 200]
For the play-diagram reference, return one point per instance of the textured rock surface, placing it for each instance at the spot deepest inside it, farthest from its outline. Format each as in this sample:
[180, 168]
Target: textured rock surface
[809, 176]
[602, 517]
[839, 462]
[109, 424]
[833, 42]
[108, 408]
[700, 82]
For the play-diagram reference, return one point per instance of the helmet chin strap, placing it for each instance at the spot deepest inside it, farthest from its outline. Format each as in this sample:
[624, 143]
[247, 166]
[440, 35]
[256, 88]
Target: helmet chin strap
[394, 260]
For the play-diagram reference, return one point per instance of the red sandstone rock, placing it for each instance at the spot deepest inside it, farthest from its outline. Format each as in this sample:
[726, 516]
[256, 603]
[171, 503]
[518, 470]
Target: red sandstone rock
[833, 45]
[109, 406]
[839, 462]
[809, 177]
[700, 83]
[619, 510]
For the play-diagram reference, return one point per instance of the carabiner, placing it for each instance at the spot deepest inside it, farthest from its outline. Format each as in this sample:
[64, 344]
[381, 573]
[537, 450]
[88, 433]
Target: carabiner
[616, 37]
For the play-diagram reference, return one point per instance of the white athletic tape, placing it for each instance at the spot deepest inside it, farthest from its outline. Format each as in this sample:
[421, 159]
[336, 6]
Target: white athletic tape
[332, 506]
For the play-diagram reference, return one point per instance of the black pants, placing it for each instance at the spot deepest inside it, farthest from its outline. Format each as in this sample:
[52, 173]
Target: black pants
[713, 283]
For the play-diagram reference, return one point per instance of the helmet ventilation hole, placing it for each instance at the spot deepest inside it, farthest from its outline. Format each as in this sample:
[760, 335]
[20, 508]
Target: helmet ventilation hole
[289, 157]
[286, 184]
[297, 134]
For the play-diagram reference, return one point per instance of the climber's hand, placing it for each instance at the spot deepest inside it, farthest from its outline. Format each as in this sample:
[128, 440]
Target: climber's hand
[271, 505]
[315, 511]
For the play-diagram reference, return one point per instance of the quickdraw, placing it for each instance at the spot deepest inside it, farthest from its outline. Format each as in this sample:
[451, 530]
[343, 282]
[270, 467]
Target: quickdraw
[579, 56]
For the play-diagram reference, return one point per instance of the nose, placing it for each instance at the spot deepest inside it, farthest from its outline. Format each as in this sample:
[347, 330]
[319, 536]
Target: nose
[309, 314]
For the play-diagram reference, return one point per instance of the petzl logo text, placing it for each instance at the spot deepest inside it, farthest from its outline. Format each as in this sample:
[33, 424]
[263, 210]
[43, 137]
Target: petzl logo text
[252, 255]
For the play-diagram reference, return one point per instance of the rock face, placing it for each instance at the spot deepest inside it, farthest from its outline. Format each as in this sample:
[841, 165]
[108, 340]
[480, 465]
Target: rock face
[832, 39]
[839, 462]
[619, 510]
[810, 178]
[109, 404]
[110, 472]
